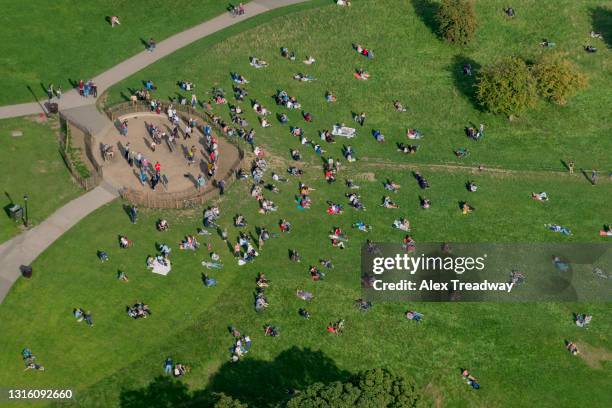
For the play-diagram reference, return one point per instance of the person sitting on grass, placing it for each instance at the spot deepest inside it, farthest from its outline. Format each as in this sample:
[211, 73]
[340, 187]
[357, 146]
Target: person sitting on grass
[124, 242]
[547, 43]
[388, 203]
[336, 328]
[208, 281]
[461, 152]
[271, 331]
[414, 316]
[398, 106]
[466, 208]
[296, 155]
[261, 280]
[240, 221]
[402, 224]
[162, 225]
[517, 278]
[409, 243]
[414, 134]
[180, 370]
[122, 277]
[78, 314]
[363, 51]
[471, 187]
[190, 242]
[330, 97]
[362, 74]
[285, 226]
[406, 148]
[540, 196]
[572, 347]
[294, 256]
[606, 231]
[590, 49]
[509, 12]
[315, 274]
[349, 154]
[363, 305]
[582, 320]
[334, 209]
[425, 203]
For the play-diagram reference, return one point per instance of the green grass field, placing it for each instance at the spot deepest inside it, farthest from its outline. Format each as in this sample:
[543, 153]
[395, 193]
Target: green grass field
[33, 166]
[68, 40]
[515, 350]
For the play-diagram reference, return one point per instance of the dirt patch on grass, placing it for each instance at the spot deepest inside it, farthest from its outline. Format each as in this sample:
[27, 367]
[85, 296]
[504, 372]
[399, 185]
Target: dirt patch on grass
[593, 356]
[369, 176]
[436, 395]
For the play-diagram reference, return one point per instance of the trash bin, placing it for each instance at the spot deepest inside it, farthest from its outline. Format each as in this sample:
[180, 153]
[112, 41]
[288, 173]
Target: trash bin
[26, 271]
[16, 212]
[53, 107]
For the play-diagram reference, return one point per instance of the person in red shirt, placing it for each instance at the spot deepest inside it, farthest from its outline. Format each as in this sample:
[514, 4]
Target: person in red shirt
[157, 167]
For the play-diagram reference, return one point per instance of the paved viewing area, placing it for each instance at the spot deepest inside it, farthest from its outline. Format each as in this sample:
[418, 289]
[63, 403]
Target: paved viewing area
[174, 164]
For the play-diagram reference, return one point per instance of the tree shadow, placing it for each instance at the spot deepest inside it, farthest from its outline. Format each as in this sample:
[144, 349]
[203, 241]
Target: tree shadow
[293, 369]
[257, 383]
[463, 82]
[601, 18]
[427, 11]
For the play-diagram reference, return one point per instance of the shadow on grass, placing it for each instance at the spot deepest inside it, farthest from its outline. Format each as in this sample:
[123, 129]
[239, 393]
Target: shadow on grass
[463, 82]
[427, 10]
[601, 18]
[257, 383]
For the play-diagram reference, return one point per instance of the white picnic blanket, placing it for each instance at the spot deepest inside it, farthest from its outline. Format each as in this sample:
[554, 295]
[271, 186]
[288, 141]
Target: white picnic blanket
[344, 131]
[161, 269]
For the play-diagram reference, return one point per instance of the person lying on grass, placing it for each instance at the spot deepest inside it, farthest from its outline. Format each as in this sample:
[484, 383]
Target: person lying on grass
[316, 274]
[363, 51]
[391, 186]
[138, 310]
[402, 224]
[349, 154]
[355, 201]
[257, 63]
[388, 203]
[469, 379]
[398, 106]
[414, 316]
[540, 196]
[362, 226]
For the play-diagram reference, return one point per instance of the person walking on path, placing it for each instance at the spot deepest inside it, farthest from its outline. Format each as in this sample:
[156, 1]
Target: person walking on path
[58, 92]
[50, 92]
[194, 101]
[201, 182]
[151, 44]
[133, 214]
[221, 185]
[594, 177]
[127, 152]
[570, 167]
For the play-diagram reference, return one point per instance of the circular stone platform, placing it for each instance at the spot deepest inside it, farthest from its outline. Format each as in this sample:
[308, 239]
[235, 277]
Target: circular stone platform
[174, 165]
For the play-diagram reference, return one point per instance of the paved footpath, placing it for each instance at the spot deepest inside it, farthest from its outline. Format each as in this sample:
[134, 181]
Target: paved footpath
[139, 61]
[25, 248]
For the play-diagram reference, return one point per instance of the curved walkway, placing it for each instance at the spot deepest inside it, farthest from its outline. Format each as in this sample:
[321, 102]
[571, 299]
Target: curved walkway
[139, 61]
[26, 247]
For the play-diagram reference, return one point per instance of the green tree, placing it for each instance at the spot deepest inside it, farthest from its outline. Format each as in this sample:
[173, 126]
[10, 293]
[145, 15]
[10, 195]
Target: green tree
[507, 87]
[457, 21]
[225, 401]
[373, 388]
[557, 78]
